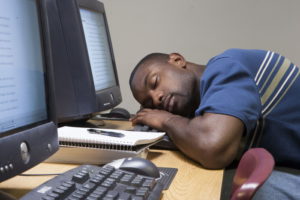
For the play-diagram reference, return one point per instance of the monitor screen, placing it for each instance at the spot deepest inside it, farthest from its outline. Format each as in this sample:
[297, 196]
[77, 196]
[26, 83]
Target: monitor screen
[22, 91]
[25, 93]
[98, 49]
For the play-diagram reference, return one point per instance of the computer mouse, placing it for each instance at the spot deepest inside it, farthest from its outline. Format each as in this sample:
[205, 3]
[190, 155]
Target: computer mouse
[136, 165]
[119, 113]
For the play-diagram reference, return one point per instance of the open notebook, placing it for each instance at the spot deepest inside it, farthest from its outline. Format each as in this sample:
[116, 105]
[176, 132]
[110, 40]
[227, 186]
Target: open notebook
[95, 146]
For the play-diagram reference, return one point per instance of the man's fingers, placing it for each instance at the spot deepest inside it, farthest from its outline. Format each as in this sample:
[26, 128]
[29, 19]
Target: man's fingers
[137, 118]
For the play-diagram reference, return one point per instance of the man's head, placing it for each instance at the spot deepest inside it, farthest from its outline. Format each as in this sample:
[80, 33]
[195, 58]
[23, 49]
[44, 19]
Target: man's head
[165, 82]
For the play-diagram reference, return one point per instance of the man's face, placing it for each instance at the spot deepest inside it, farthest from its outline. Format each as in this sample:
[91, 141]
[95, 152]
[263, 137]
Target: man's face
[167, 87]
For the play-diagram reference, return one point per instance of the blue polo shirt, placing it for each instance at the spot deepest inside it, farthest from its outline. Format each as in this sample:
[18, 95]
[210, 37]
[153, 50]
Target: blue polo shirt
[262, 89]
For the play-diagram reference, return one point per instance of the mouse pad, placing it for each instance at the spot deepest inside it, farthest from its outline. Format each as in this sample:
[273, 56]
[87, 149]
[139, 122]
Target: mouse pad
[166, 176]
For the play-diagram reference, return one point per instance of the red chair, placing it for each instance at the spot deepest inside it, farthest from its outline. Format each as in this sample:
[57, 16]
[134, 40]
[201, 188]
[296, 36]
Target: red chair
[253, 170]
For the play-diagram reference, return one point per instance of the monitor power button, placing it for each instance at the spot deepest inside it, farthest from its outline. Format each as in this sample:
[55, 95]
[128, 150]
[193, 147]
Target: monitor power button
[25, 155]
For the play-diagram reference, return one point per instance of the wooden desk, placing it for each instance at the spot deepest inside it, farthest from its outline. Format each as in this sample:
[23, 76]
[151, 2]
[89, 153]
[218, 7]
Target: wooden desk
[192, 182]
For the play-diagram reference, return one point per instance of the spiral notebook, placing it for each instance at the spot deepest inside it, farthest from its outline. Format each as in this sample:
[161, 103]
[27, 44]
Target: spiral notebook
[96, 146]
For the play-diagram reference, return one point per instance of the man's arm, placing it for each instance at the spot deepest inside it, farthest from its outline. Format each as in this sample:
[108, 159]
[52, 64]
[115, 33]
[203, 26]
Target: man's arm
[212, 139]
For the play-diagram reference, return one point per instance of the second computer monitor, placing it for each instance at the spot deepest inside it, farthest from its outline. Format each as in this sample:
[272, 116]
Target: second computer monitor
[86, 79]
[100, 52]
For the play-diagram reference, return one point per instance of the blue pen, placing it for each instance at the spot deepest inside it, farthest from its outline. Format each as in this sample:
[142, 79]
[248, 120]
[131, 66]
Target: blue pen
[106, 133]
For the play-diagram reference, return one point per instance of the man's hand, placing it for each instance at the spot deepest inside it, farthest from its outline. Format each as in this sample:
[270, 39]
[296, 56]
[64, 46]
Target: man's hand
[153, 118]
[211, 139]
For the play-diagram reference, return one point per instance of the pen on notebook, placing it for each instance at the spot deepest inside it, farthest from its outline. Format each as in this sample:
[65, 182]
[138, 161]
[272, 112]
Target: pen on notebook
[107, 133]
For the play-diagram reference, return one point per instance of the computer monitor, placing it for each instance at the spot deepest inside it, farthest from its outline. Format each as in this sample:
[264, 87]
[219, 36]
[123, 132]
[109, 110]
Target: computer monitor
[85, 74]
[28, 133]
[100, 52]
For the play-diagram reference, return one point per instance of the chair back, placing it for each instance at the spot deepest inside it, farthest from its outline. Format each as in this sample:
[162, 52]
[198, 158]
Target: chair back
[254, 168]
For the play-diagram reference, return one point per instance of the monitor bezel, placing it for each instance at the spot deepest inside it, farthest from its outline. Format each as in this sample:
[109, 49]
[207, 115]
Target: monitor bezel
[74, 87]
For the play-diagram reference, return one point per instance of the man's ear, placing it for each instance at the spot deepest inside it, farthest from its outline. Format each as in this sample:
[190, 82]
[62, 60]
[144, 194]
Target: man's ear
[177, 60]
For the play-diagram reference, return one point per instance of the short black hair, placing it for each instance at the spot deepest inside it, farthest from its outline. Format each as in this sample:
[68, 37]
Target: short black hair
[147, 60]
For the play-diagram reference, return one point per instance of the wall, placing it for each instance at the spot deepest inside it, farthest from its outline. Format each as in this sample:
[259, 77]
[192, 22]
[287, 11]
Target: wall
[198, 29]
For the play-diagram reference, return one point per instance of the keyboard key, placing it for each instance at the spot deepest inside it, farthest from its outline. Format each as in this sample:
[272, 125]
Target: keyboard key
[137, 198]
[53, 195]
[112, 194]
[150, 183]
[130, 189]
[91, 198]
[95, 195]
[78, 194]
[124, 196]
[80, 177]
[143, 191]
[47, 198]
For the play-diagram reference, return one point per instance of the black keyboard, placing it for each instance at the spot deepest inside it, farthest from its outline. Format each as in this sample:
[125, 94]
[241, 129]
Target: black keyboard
[142, 127]
[91, 182]
[165, 143]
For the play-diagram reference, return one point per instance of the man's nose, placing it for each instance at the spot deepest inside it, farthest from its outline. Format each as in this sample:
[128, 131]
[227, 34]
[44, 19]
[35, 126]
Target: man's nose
[157, 97]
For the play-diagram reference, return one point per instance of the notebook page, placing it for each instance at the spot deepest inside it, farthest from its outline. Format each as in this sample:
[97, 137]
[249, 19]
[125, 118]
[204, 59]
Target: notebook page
[85, 135]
